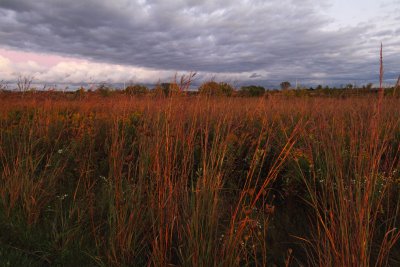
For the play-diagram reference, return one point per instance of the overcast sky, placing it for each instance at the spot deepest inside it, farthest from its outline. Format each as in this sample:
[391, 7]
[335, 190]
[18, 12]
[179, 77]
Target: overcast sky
[249, 41]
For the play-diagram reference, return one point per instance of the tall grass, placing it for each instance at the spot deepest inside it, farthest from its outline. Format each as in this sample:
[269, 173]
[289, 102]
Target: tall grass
[349, 165]
[198, 181]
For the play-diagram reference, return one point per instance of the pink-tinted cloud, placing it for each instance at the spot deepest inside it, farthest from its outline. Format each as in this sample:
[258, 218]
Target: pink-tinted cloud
[58, 69]
[46, 60]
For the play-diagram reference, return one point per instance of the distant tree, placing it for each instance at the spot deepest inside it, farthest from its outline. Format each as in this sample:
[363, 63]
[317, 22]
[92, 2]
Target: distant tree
[215, 89]
[210, 88]
[104, 90]
[349, 86]
[24, 83]
[3, 85]
[80, 93]
[170, 89]
[369, 86]
[319, 87]
[136, 89]
[285, 85]
[226, 88]
[252, 90]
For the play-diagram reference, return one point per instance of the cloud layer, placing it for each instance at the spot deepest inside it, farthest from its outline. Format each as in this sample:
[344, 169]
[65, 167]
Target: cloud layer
[252, 39]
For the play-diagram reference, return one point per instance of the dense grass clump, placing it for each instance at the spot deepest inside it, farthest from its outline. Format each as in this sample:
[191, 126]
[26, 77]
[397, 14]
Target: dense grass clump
[199, 181]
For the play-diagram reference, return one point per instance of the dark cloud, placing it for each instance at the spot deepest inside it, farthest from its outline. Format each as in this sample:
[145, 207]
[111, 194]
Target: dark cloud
[284, 39]
[255, 75]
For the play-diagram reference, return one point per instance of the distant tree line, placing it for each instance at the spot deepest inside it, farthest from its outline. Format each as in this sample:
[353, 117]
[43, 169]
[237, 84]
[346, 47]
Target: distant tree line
[212, 88]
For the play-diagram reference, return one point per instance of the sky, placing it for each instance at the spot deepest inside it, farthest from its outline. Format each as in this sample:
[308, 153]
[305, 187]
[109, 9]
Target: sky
[329, 42]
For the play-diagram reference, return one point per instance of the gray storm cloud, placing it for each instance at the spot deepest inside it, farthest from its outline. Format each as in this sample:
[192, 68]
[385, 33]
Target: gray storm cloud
[283, 39]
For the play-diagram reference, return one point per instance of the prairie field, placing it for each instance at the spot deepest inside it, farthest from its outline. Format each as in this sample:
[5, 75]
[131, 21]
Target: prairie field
[123, 180]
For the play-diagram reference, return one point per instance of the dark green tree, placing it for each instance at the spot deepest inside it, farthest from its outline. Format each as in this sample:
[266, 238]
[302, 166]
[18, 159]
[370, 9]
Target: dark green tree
[252, 91]
[369, 86]
[285, 85]
[170, 89]
[136, 89]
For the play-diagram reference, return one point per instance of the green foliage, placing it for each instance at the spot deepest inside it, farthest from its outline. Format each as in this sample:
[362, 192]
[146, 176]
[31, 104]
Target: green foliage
[136, 89]
[285, 85]
[80, 93]
[226, 88]
[349, 86]
[252, 91]
[213, 88]
[169, 89]
[104, 90]
[210, 88]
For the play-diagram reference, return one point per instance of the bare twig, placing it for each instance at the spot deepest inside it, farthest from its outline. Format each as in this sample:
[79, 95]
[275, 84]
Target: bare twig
[3, 85]
[24, 83]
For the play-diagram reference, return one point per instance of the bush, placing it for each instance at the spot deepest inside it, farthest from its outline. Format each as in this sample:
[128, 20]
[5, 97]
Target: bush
[169, 88]
[136, 90]
[80, 93]
[216, 89]
[285, 85]
[252, 91]
[104, 90]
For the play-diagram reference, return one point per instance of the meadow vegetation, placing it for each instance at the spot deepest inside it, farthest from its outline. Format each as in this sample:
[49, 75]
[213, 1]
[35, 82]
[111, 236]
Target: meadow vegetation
[165, 178]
